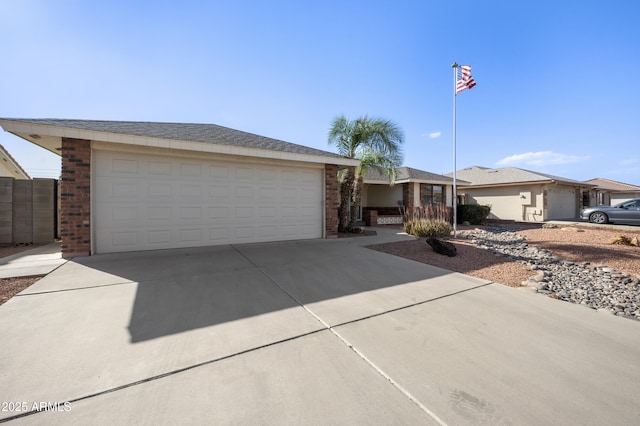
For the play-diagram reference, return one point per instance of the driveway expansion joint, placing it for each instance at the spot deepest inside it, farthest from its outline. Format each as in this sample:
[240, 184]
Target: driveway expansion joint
[349, 345]
[163, 375]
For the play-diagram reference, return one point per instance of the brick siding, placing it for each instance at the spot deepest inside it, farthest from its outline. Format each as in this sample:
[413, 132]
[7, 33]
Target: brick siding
[75, 223]
[407, 196]
[332, 200]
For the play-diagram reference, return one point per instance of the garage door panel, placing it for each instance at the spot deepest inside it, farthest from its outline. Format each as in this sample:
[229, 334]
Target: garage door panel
[268, 175]
[243, 173]
[190, 190]
[219, 172]
[190, 213]
[219, 213]
[219, 193]
[289, 194]
[190, 170]
[159, 168]
[268, 194]
[124, 239]
[124, 166]
[244, 213]
[154, 202]
[158, 190]
[244, 194]
[192, 235]
[217, 235]
[161, 237]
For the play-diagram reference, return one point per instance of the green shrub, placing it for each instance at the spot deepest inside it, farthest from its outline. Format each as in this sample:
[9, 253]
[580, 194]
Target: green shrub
[427, 227]
[473, 213]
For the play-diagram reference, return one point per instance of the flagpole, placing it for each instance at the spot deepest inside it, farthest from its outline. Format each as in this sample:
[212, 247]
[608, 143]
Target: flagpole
[454, 201]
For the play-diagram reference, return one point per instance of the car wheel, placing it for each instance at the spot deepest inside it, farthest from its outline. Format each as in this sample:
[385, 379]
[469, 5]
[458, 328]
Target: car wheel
[598, 217]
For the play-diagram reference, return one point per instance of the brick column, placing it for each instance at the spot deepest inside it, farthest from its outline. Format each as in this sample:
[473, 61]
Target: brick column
[370, 217]
[75, 224]
[332, 200]
[407, 196]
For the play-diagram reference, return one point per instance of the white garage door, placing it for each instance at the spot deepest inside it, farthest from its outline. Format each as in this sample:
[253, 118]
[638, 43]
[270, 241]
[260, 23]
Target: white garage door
[561, 203]
[147, 202]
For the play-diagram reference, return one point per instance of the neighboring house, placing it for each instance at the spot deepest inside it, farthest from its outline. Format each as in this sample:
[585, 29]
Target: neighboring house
[522, 195]
[9, 167]
[610, 192]
[143, 186]
[412, 188]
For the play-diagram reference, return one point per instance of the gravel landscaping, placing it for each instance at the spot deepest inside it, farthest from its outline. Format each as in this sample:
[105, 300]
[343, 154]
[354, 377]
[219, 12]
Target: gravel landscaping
[9, 287]
[571, 263]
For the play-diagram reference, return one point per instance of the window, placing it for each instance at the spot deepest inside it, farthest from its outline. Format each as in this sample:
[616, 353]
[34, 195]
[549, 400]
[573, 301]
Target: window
[431, 195]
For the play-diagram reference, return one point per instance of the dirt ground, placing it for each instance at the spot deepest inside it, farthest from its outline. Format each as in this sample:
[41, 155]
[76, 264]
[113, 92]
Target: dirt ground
[571, 243]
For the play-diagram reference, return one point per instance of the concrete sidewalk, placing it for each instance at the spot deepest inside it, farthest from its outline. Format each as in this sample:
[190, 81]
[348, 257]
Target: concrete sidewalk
[36, 261]
[306, 332]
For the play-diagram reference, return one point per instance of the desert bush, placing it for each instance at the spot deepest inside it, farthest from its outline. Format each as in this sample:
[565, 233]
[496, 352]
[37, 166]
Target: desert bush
[472, 213]
[428, 221]
[437, 212]
[427, 227]
[625, 241]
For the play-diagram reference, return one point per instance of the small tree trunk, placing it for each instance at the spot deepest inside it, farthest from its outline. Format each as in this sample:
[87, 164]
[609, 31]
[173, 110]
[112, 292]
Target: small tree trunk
[346, 186]
[356, 199]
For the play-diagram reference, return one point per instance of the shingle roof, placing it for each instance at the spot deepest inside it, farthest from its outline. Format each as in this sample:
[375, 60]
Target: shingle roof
[407, 174]
[613, 185]
[205, 133]
[478, 176]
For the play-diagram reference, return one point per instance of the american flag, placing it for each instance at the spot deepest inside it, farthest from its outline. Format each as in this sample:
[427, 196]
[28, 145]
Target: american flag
[463, 79]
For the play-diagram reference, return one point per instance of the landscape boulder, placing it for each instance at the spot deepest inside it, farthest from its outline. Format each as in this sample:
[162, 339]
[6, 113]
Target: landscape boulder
[442, 247]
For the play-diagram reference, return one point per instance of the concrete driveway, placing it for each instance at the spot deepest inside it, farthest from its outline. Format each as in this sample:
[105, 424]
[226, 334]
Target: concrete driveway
[307, 332]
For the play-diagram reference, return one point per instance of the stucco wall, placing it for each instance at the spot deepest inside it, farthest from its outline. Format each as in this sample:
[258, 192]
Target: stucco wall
[448, 195]
[526, 202]
[507, 202]
[381, 195]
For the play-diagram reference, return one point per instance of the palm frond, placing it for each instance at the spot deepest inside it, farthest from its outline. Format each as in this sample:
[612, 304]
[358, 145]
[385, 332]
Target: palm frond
[340, 136]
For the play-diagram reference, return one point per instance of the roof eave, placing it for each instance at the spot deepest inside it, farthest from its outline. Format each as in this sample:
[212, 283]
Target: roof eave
[533, 182]
[18, 170]
[50, 137]
[412, 180]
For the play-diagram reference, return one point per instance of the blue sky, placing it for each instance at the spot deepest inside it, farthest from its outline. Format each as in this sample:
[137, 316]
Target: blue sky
[556, 80]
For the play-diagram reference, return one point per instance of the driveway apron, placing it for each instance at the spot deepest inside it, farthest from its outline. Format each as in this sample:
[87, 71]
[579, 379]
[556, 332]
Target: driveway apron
[305, 332]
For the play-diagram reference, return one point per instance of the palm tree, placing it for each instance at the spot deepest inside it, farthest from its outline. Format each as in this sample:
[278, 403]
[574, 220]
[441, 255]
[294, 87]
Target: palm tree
[376, 143]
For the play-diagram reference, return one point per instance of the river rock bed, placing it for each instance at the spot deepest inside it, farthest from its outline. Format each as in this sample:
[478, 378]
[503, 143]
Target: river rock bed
[592, 285]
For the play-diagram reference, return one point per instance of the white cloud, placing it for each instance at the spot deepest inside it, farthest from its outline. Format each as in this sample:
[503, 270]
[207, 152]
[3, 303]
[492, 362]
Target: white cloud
[628, 161]
[540, 158]
[434, 135]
